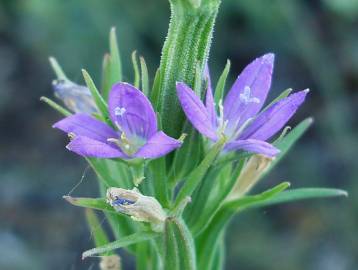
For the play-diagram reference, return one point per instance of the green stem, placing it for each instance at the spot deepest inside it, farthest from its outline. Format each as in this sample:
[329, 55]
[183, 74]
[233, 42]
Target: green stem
[187, 45]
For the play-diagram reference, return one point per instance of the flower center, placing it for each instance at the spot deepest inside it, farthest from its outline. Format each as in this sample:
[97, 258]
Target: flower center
[119, 111]
[246, 97]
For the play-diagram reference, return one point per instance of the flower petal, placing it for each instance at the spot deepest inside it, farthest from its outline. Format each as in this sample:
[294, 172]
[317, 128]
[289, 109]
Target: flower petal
[274, 118]
[254, 146]
[88, 147]
[195, 111]
[158, 145]
[132, 111]
[249, 92]
[85, 125]
[209, 98]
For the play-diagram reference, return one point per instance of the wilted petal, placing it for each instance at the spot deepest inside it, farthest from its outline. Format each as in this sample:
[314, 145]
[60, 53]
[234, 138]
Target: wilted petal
[249, 92]
[195, 111]
[85, 125]
[254, 146]
[274, 118]
[158, 145]
[76, 97]
[88, 147]
[209, 98]
[132, 111]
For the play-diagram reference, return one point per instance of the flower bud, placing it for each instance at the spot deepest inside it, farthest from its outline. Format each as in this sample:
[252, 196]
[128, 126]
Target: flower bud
[255, 167]
[76, 97]
[139, 207]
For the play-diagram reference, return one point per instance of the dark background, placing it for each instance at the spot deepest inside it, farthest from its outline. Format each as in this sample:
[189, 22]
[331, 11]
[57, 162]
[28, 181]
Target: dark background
[316, 46]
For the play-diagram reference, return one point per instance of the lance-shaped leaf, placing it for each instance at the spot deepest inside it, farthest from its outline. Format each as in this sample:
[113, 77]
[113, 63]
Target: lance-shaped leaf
[57, 69]
[273, 196]
[56, 106]
[92, 203]
[123, 242]
[195, 177]
[98, 99]
[99, 235]
[287, 196]
[220, 86]
[209, 238]
[290, 139]
[135, 69]
[145, 76]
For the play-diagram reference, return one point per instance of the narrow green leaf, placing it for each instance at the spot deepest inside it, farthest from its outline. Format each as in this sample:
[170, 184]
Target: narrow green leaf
[57, 69]
[220, 86]
[106, 76]
[159, 179]
[195, 177]
[56, 106]
[92, 203]
[135, 69]
[248, 201]
[99, 235]
[154, 94]
[145, 76]
[115, 59]
[300, 194]
[289, 140]
[98, 99]
[213, 194]
[123, 242]
[278, 98]
[188, 156]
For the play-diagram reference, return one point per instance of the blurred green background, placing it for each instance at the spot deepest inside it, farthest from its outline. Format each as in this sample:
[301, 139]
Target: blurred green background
[316, 46]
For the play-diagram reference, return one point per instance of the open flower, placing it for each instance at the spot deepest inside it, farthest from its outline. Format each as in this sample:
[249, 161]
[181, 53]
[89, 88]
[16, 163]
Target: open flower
[135, 135]
[239, 118]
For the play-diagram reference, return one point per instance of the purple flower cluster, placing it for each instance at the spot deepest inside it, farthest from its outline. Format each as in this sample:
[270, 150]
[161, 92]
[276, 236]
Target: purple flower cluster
[134, 132]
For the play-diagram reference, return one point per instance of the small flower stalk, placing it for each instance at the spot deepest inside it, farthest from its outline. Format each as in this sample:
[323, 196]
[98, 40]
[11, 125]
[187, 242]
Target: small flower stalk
[167, 196]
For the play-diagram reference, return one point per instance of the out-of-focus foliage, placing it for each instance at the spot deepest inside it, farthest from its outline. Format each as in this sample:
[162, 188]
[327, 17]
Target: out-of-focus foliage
[316, 44]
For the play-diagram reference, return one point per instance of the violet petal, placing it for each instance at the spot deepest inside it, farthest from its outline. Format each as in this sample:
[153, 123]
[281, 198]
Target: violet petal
[274, 118]
[249, 92]
[209, 98]
[254, 146]
[132, 111]
[88, 147]
[158, 145]
[85, 125]
[195, 111]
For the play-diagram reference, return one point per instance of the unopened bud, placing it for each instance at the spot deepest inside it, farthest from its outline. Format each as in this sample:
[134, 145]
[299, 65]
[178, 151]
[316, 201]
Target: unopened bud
[139, 207]
[76, 97]
[255, 167]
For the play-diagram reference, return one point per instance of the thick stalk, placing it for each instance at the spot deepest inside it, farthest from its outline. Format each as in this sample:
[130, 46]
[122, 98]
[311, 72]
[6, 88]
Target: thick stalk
[187, 45]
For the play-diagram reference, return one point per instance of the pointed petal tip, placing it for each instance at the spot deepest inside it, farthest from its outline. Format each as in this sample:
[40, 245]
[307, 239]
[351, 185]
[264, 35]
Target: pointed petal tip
[306, 90]
[268, 58]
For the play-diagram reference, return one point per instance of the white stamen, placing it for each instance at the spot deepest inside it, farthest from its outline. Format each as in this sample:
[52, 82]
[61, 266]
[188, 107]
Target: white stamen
[246, 97]
[119, 111]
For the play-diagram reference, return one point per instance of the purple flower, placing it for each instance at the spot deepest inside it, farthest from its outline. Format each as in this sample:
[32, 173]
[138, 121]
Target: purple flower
[136, 134]
[239, 118]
